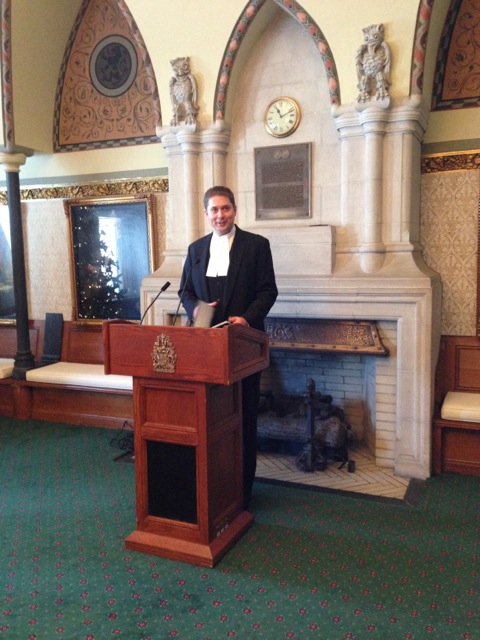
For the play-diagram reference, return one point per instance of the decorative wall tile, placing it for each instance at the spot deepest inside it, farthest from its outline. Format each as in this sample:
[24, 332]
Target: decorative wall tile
[47, 259]
[448, 234]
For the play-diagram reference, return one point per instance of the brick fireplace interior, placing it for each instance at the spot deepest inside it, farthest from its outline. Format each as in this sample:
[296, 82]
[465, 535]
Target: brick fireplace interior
[360, 379]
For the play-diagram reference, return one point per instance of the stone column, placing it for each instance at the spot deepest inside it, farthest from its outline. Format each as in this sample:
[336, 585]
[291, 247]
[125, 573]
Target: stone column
[174, 251]
[380, 188]
[408, 124]
[197, 160]
[215, 151]
[190, 148]
[24, 359]
[372, 251]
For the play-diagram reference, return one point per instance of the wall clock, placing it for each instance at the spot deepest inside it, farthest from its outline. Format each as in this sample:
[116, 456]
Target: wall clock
[282, 117]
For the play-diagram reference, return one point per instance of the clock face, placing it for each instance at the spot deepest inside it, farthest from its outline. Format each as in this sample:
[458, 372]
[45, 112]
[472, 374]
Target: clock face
[282, 117]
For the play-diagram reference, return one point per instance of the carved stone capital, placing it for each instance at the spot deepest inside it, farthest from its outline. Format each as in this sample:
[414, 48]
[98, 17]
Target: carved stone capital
[12, 162]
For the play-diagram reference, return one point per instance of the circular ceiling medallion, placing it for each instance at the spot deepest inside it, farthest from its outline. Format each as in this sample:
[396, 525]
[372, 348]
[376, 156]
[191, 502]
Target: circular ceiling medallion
[113, 66]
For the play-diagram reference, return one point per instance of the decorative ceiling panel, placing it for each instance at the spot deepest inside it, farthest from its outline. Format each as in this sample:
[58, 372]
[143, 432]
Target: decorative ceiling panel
[457, 75]
[107, 93]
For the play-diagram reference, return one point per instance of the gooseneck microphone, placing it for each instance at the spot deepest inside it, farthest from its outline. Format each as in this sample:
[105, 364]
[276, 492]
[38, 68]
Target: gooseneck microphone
[164, 288]
[183, 290]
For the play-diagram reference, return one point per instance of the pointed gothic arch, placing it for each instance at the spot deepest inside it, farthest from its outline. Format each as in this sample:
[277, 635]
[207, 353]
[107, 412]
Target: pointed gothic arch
[238, 34]
[424, 16]
[456, 81]
[107, 93]
[6, 73]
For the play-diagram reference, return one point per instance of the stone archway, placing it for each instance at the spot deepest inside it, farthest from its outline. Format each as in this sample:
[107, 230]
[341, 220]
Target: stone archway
[244, 23]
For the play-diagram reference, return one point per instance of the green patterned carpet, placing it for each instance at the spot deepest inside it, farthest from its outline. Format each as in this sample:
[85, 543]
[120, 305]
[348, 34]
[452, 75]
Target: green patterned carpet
[315, 565]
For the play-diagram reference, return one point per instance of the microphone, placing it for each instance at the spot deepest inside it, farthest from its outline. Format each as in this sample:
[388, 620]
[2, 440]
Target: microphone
[164, 288]
[183, 289]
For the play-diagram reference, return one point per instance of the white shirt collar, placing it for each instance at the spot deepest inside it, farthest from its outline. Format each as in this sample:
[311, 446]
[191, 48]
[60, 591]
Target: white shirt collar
[220, 254]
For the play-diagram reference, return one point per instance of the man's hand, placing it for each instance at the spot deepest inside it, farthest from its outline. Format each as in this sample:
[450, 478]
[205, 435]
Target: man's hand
[238, 320]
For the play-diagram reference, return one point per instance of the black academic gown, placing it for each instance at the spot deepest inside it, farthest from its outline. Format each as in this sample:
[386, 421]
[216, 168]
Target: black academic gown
[249, 291]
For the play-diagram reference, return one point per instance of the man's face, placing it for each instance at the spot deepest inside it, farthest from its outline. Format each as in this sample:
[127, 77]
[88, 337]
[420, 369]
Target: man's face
[221, 214]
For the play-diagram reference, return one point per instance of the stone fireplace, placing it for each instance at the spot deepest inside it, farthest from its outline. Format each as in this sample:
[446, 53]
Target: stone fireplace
[398, 387]
[357, 256]
[397, 390]
[340, 357]
[371, 272]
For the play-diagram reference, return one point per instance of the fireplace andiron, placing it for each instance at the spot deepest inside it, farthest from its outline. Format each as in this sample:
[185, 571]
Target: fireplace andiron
[327, 439]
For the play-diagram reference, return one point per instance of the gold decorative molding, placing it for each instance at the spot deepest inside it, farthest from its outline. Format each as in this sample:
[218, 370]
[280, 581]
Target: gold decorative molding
[334, 336]
[98, 260]
[454, 161]
[95, 189]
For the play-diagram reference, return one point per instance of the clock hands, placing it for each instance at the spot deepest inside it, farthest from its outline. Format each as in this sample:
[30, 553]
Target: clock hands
[282, 115]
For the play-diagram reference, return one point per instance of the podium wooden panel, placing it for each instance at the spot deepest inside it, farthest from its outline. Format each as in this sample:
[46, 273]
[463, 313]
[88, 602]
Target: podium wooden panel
[187, 433]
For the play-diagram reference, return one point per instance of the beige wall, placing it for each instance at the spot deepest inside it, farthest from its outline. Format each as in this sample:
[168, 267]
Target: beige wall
[207, 30]
[40, 32]
[199, 30]
[202, 31]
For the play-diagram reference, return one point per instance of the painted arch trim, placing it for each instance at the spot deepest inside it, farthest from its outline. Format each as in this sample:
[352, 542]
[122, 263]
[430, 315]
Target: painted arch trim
[238, 34]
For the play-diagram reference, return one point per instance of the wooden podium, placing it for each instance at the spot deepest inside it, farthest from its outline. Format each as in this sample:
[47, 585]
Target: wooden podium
[187, 433]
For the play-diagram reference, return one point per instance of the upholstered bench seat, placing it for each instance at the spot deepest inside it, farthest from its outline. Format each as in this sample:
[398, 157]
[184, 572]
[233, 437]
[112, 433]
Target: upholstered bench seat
[6, 367]
[461, 406]
[80, 375]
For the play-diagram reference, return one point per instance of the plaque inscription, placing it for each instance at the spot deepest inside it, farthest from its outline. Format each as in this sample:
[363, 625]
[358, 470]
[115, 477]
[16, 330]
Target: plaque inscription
[282, 181]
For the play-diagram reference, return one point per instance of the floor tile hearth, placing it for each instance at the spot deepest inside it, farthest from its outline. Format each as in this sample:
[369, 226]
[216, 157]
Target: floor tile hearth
[367, 478]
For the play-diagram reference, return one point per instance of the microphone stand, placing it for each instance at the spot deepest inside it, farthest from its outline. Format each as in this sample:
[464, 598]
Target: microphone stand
[164, 288]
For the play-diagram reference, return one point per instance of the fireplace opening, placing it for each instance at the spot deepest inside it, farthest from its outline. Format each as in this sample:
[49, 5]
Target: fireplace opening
[362, 386]
[309, 426]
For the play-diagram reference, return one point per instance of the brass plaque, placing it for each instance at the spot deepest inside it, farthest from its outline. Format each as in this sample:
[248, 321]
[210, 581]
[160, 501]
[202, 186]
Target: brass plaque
[282, 181]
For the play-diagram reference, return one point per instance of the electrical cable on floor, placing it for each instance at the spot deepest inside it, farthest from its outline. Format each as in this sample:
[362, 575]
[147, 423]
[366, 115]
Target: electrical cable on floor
[123, 440]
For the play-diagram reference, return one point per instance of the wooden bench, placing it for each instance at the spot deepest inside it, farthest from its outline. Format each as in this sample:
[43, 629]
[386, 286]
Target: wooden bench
[8, 350]
[76, 390]
[456, 440]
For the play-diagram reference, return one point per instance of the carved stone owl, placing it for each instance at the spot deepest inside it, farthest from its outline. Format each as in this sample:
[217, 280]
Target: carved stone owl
[183, 92]
[373, 64]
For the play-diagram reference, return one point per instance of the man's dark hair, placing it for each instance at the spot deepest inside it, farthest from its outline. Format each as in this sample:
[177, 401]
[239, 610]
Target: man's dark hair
[218, 191]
